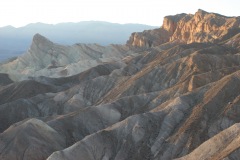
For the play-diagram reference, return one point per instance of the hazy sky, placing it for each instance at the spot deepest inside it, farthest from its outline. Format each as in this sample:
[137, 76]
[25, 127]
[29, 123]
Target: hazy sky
[21, 12]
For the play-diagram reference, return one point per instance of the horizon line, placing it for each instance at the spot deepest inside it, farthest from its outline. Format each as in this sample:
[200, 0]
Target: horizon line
[54, 24]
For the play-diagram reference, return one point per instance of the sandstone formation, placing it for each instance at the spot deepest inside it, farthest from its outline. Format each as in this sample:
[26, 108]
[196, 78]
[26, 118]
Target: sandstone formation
[200, 27]
[177, 100]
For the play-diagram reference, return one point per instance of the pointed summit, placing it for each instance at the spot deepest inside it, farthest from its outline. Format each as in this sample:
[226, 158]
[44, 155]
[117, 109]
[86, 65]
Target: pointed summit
[40, 42]
[201, 11]
[199, 15]
[38, 38]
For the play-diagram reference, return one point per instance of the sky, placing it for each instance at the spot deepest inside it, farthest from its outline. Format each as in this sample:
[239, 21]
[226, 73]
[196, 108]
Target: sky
[19, 13]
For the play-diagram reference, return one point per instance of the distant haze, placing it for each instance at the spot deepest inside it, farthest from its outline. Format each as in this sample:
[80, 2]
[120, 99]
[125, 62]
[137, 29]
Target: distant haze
[19, 13]
[14, 41]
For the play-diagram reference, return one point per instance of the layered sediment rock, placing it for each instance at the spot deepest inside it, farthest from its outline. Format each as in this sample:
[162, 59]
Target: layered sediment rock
[158, 36]
[205, 27]
[177, 100]
[200, 27]
[44, 58]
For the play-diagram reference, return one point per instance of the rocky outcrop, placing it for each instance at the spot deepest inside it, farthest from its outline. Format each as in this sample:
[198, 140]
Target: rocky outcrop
[200, 27]
[170, 101]
[160, 105]
[148, 38]
[155, 37]
[45, 58]
[170, 22]
[205, 27]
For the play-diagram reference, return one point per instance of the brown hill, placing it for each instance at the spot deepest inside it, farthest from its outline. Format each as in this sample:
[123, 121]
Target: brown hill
[170, 100]
[200, 27]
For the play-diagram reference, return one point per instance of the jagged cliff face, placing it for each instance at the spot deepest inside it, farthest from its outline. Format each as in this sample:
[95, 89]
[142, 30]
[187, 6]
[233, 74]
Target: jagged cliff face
[200, 27]
[205, 27]
[155, 37]
[149, 38]
[170, 101]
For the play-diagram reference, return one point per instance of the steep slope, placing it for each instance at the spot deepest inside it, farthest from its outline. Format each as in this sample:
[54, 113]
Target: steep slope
[43, 96]
[200, 27]
[172, 129]
[234, 41]
[218, 147]
[149, 38]
[4, 80]
[30, 140]
[44, 58]
[206, 27]
[148, 102]
[177, 100]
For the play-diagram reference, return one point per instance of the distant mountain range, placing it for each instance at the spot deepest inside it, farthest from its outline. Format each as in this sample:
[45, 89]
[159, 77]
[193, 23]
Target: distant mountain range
[14, 41]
